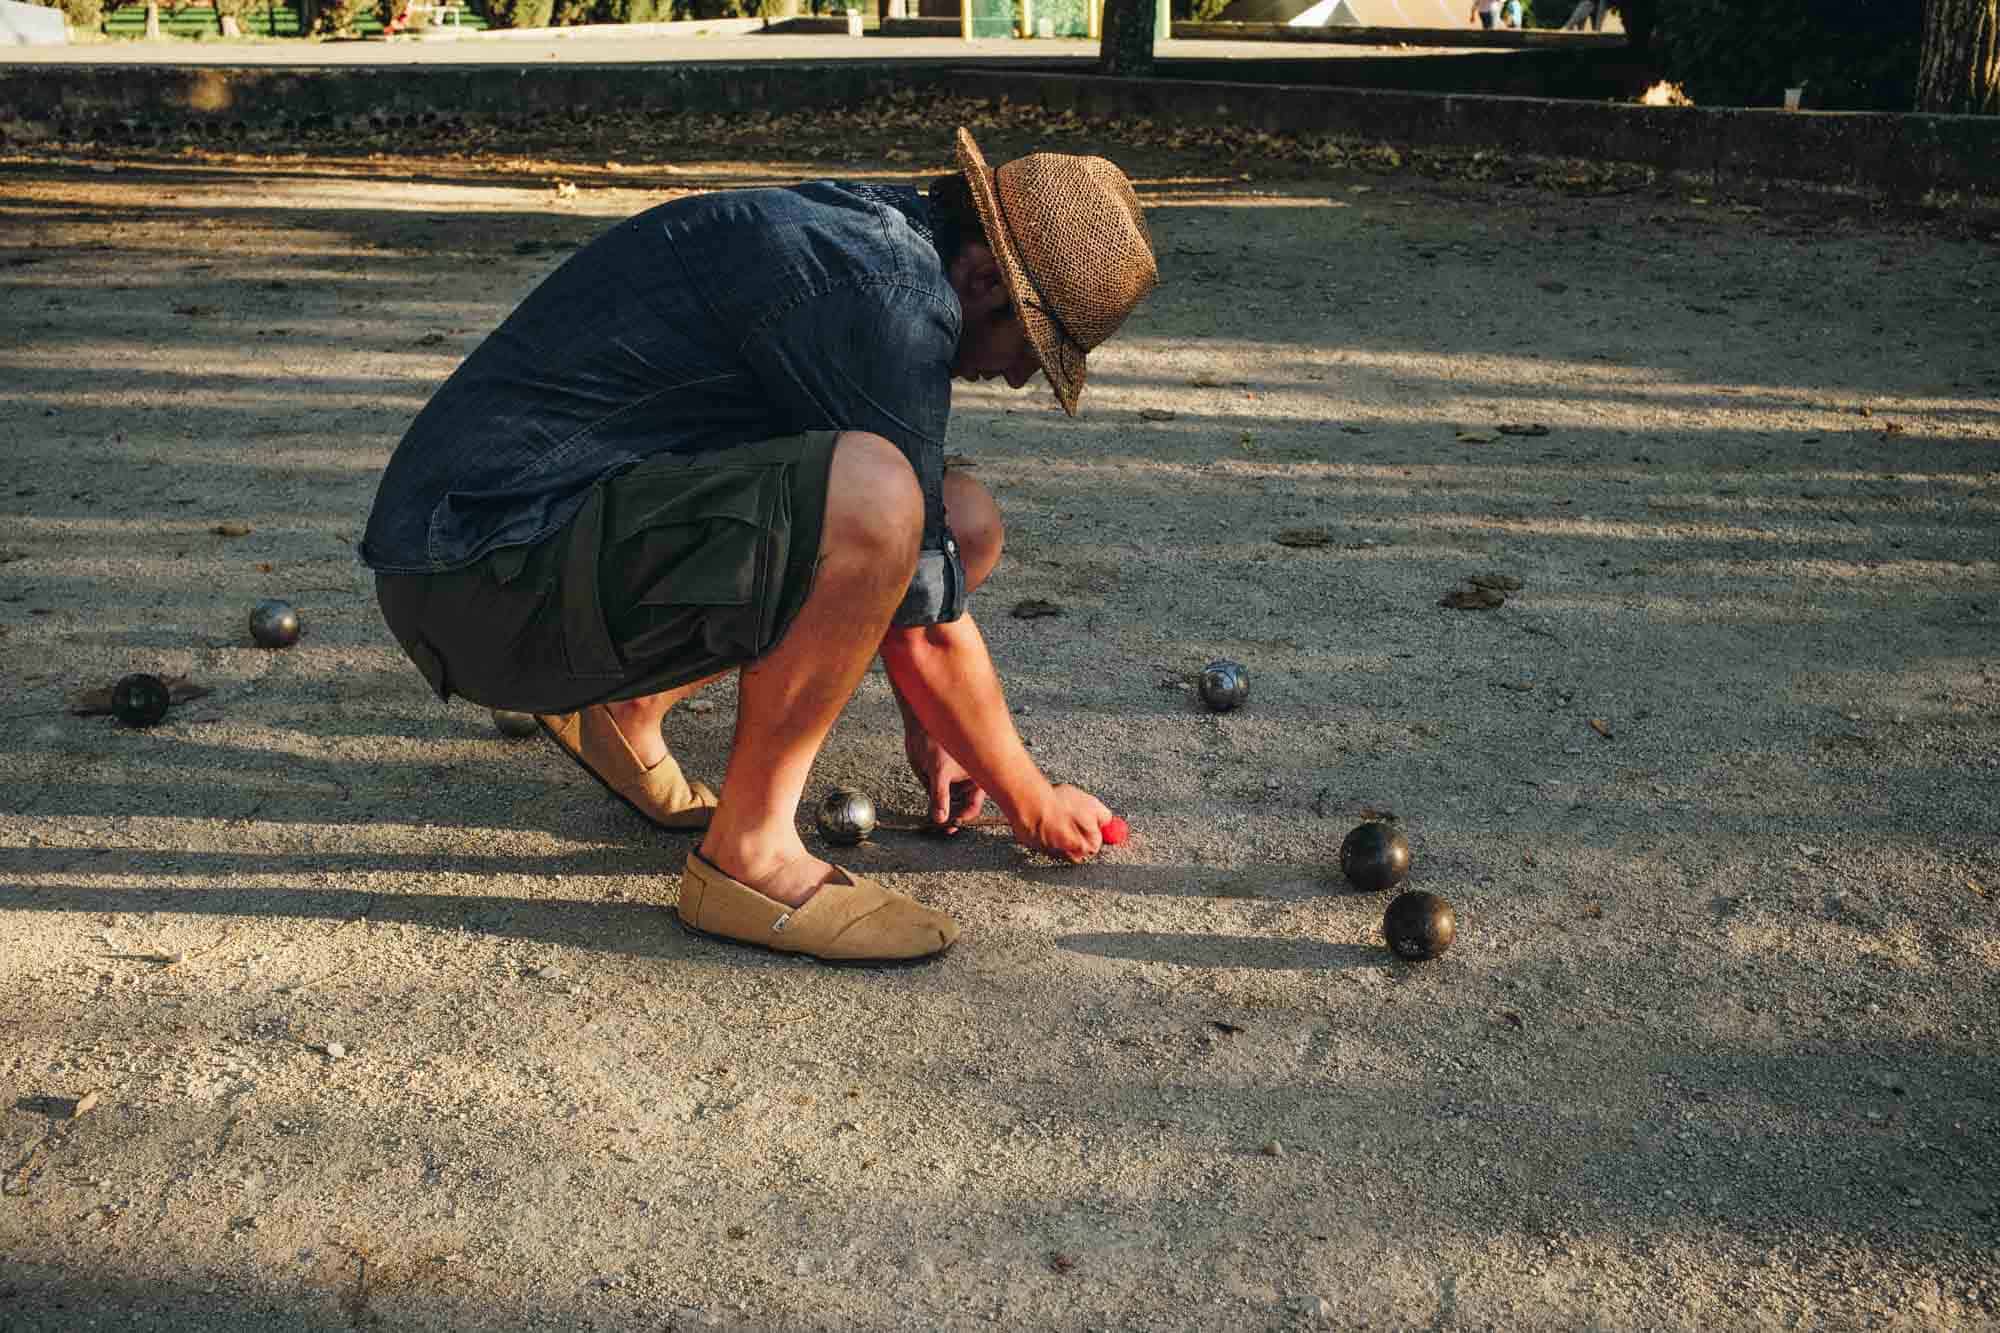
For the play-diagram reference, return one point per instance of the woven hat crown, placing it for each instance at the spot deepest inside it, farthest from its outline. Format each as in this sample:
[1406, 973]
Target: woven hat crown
[1074, 249]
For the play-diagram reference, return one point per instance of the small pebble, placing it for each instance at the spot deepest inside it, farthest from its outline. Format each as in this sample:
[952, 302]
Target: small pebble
[701, 706]
[1274, 1149]
[335, 1050]
[1572, 749]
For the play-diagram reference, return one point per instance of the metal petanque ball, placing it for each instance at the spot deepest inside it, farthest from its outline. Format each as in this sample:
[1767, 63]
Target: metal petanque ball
[1374, 857]
[846, 817]
[140, 699]
[274, 624]
[1419, 925]
[1224, 685]
[514, 726]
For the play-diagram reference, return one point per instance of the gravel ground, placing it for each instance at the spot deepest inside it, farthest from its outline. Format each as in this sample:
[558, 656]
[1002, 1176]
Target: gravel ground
[327, 1007]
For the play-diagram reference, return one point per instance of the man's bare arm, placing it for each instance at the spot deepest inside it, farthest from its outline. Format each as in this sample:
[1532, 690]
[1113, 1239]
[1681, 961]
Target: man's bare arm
[945, 676]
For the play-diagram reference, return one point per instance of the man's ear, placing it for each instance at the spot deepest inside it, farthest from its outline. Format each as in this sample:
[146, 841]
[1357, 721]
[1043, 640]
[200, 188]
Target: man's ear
[981, 286]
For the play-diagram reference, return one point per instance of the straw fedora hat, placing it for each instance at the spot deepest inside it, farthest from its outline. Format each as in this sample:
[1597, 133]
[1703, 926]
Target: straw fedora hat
[1072, 246]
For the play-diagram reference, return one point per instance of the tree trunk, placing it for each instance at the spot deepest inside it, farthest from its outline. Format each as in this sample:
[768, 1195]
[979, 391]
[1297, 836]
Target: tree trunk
[1126, 49]
[1959, 70]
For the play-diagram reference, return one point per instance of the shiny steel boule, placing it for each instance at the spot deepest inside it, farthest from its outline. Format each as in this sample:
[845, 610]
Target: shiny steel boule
[274, 624]
[140, 699]
[846, 817]
[1224, 685]
[1374, 857]
[1419, 925]
[514, 726]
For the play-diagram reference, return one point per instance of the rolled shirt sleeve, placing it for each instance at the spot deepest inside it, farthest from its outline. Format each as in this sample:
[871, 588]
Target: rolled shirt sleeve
[876, 356]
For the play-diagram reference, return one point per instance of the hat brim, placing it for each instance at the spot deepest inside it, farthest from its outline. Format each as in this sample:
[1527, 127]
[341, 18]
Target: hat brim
[1062, 360]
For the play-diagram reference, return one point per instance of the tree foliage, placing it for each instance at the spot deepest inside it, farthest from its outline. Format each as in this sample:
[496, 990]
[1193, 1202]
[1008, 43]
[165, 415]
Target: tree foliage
[336, 18]
[82, 15]
[1848, 54]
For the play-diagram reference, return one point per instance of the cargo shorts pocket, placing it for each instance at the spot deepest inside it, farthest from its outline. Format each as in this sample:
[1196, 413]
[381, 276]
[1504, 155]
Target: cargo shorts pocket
[694, 564]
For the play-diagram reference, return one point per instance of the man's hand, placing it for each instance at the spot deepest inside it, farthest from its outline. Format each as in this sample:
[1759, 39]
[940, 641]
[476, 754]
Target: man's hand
[1068, 824]
[953, 793]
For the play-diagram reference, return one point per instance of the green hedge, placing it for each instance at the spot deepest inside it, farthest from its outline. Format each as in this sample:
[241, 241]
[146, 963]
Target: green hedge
[1850, 55]
[566, 13]
[517, 13]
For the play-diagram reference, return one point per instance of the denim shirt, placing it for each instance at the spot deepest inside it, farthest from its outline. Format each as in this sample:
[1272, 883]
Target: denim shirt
[716, 320]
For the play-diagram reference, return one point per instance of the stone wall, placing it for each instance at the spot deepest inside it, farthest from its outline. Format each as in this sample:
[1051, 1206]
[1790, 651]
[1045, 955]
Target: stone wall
[1900, 155]
[1903, 155]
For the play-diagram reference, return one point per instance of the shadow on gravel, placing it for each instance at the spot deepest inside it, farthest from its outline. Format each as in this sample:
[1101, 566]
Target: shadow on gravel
[1249, 951]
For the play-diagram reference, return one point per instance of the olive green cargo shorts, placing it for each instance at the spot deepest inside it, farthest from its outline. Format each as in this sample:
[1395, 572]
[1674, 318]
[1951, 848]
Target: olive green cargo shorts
[684, 566]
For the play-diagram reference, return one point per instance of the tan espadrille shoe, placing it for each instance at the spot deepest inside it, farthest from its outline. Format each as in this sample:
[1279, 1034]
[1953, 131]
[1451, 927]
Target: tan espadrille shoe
[660, 793]
[850, 920]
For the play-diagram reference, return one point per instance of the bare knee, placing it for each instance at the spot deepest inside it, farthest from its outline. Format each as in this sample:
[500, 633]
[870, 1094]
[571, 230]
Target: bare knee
[975, 520]
[874, 504]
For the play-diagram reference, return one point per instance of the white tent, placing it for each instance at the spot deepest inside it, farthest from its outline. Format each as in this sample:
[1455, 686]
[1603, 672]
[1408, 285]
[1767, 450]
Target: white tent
[31, 25]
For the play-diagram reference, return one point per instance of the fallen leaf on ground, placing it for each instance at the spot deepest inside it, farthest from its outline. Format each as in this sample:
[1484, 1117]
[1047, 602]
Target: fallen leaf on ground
[1155, 414]
[1470, 597]
[84, 1106]
[1034, 608]
[1303, 537]
[1532, 429]
[1601, 727]
[232, 529]
[1476, 437]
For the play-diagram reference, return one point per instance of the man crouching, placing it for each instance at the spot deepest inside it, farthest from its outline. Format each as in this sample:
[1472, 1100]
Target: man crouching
[713, 440]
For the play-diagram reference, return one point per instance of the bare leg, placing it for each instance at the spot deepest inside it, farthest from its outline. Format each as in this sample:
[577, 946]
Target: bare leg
[975, 521]
[639, 719]
[788, 700]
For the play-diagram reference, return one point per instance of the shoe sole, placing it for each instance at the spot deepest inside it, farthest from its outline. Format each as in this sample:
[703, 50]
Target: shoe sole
[627, 801]
[919, 961]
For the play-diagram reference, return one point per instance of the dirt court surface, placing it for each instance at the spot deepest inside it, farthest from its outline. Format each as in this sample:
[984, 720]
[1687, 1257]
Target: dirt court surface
[326, 1007]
